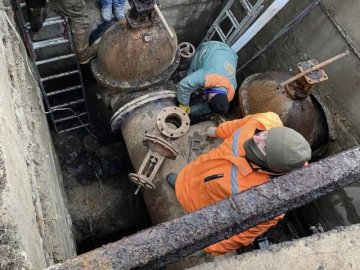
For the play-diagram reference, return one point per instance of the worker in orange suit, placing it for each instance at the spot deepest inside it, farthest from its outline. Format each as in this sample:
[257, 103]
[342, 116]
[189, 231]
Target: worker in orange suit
[254, 149]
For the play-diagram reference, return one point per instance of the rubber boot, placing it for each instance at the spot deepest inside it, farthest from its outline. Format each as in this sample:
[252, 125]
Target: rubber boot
[81, 41]
[171, 179]
[37, 16]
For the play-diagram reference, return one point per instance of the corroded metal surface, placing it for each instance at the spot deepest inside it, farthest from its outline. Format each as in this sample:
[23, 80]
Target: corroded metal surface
[262, 93]
[130, 58]
[159, 100]
[161, 203]
[173, 122]
[170, 241]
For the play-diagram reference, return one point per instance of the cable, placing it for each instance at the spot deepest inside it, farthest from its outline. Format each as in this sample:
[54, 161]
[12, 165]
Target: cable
[76, 115]
[283, 31]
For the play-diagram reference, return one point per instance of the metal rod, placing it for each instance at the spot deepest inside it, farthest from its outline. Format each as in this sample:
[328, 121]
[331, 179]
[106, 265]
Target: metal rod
[163, 20]
[137, 190]
[170, 241]
[314, 68]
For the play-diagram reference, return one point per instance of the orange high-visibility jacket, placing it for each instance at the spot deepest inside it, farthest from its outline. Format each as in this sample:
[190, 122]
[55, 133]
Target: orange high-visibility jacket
[223, 172]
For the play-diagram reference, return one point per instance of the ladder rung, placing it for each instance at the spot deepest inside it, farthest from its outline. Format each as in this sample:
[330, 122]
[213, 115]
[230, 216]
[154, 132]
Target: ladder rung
[23, 4]
[220, 33]
[53, 20]
[67, 89]
[232, 18]
[246, 5]
[58, 58]
[64, 74]
[69, 117]
[67, 104]
[73, 128]
[49, 21]
[49, 42]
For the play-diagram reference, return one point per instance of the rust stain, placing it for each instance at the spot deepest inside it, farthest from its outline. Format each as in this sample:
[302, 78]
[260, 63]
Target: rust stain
[264, 94]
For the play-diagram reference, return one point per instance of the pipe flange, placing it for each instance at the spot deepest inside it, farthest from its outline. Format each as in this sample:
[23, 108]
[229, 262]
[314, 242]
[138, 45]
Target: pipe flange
[171, 117]
[131, 106]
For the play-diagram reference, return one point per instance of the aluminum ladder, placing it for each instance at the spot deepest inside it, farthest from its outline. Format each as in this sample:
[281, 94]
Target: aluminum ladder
[227, 27]
[58, 70]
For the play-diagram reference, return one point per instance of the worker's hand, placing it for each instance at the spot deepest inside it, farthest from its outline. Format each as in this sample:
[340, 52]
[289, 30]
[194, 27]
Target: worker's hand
[185, 108]
[210, 132]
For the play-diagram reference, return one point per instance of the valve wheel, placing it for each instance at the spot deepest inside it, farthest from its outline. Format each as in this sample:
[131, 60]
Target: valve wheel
[141, 180]
[186, 49]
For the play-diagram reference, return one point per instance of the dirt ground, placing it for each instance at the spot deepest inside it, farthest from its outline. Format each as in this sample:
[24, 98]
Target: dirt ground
[100, 197]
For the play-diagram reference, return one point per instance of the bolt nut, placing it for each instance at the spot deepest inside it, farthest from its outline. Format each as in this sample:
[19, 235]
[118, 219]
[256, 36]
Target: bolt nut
[147, 38]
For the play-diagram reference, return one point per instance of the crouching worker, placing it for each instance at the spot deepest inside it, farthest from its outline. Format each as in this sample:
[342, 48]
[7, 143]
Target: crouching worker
[212, 70]
[254, 149]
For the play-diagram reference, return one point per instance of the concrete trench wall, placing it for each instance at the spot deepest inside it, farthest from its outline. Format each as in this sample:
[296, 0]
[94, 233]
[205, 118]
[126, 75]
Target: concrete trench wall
[190, 18]
[337, 249]
[318, 35]
[35, 228]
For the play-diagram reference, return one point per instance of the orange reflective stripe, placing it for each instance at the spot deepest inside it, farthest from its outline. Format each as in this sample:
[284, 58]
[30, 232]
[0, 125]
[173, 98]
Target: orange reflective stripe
[216, 80]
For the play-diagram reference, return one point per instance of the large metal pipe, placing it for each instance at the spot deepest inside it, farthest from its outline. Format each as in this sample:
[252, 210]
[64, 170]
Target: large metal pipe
[170, 241]
[138, 117]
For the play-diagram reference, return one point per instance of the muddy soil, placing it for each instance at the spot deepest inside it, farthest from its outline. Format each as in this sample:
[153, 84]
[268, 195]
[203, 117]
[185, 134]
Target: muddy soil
[100, 198]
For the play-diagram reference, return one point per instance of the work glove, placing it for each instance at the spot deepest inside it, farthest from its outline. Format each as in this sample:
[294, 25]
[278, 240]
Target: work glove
[210, 132]
[185, 108]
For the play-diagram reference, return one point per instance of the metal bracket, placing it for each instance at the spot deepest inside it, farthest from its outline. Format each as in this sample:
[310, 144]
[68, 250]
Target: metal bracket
[142, 13]
[301, 88]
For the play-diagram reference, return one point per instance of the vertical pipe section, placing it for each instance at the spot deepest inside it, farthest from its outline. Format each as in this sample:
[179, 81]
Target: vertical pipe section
[271, 11]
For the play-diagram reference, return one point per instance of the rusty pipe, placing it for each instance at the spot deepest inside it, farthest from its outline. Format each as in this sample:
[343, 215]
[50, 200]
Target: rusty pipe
[161, 202]
[314, 68]
[170, 241]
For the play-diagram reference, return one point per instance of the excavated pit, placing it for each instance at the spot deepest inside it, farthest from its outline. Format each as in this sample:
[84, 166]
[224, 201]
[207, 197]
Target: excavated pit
[100, 198]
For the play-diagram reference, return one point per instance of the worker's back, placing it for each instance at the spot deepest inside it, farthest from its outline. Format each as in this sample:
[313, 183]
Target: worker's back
[215, 57]
[223, 171]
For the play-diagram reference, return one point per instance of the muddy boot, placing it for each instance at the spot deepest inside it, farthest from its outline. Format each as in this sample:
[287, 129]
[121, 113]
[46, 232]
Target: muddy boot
[81, 41]
[37, 16]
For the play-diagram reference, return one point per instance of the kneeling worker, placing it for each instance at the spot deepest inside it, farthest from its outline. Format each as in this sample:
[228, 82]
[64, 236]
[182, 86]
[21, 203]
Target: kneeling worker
[254, 149]
[212, 68]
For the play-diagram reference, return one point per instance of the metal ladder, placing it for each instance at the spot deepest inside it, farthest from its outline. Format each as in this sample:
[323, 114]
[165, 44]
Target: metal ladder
[58, 70]
[227, 27]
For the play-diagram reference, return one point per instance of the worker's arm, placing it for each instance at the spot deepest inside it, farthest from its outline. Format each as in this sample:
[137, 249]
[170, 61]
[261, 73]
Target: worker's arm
[226, 129]
[243, 239]
[188, 85]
